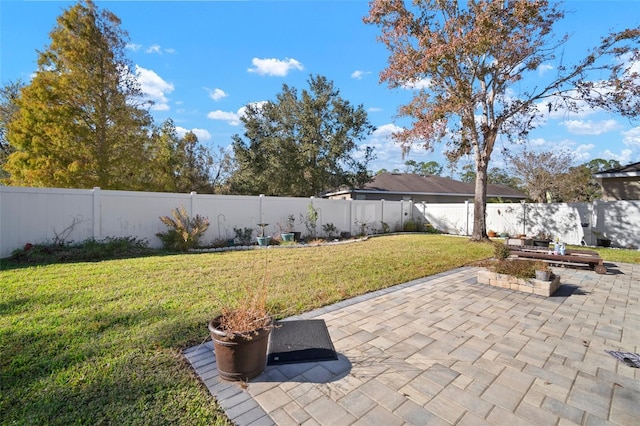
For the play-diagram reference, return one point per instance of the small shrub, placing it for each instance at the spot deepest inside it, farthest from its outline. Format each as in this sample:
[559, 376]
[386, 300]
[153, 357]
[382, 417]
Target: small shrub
[385, 227]
[410, 226]
[184, 232]
[311, 220]
[430, 229]
[501, 251]
[330, 230]
[243, 235]
[518, 268]
[88, 250]
[362, 227]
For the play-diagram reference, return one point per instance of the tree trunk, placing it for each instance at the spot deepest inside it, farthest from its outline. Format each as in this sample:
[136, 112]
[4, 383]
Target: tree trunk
[480, 205]
[480, 199]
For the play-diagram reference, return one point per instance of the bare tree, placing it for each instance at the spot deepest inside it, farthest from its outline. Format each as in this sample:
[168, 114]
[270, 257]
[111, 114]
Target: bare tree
[541, 173]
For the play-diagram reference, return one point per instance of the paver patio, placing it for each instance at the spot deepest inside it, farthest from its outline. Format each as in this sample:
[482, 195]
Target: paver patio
[447, 350]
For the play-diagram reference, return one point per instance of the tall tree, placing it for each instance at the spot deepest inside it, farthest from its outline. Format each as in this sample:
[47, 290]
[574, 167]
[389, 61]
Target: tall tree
[541, 173]
[499, 176]
[579, 186]
[301, 144]
[598, 165]
[183, 164]
[474, 57]
[80, 122]
[428, 168]
[9, 94]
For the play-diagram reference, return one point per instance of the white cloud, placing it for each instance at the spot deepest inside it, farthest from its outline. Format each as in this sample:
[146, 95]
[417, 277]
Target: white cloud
[358, 74]
[374, 109]
[386, 130]
[588, 127]
[156, 48]
[133, 46]
[231, 117]
[154, 88]
[632, 137]
[542, 69]
[624, 157]
[582, 153]
[425, 83]
[274, 67]
[202, 134]
[216, 94]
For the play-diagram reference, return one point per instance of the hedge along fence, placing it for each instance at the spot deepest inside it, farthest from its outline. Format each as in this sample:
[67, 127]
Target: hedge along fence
[38, 215]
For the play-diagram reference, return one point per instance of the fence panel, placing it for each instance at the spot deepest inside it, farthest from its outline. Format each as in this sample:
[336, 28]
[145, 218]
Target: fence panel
[42, 215]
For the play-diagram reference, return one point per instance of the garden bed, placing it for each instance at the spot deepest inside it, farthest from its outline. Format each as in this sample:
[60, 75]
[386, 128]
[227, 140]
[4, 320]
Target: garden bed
[526, 285]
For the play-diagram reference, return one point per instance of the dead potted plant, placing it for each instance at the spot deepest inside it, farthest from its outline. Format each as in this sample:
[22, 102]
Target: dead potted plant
[542, 270]
[240, 332]
[286, 228]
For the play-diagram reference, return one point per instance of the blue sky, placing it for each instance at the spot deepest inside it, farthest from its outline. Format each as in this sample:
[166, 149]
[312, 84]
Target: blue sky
[202, 61]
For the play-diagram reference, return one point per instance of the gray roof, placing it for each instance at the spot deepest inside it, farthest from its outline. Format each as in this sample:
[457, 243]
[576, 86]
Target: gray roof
[629, 170]
[411, 183]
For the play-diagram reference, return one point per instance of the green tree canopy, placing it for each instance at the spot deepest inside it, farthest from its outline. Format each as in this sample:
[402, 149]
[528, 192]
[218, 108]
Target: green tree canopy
[80, 122]
[422, 168]
[599, 165]
[183, 164]
[9, 95]
[301, 144]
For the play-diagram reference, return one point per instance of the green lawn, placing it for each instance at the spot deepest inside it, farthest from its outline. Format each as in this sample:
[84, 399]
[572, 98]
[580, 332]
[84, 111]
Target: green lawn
[101, 342]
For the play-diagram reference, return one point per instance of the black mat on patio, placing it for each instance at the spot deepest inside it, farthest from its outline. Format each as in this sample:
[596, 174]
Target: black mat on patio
[300, 341]
[629, 358]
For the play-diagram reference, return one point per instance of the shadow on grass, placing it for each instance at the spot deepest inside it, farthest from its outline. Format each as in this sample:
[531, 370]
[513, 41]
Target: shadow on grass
[20, 262]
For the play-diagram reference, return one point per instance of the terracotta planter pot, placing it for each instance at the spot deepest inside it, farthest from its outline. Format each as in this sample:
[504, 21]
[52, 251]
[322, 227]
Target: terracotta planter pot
[239, 357]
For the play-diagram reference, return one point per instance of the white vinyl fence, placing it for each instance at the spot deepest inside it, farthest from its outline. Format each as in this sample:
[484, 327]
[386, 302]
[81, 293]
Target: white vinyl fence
[576, 223]
[44, 215]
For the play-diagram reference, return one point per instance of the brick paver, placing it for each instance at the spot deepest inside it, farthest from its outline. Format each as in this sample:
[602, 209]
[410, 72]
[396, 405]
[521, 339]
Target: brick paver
[447, 350]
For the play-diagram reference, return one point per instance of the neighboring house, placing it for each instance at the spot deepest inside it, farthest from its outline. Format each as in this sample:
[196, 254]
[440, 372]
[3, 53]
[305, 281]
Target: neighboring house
[622, 183]
[423, 188]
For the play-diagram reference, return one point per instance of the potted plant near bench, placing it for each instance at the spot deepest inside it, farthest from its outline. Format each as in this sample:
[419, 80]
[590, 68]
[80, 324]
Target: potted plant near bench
[542, 270]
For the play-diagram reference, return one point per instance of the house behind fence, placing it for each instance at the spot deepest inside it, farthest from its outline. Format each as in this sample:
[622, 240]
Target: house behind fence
[46, 215]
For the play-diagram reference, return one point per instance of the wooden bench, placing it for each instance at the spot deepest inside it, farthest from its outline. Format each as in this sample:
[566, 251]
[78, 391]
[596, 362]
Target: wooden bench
[571, 257]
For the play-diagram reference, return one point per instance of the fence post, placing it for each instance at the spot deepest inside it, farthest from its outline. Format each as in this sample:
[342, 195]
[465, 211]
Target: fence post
[261, 215]
[466, 209]
[524, 216]
[192, 203]
[97, 219]
[350, 216]
[382, 213]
